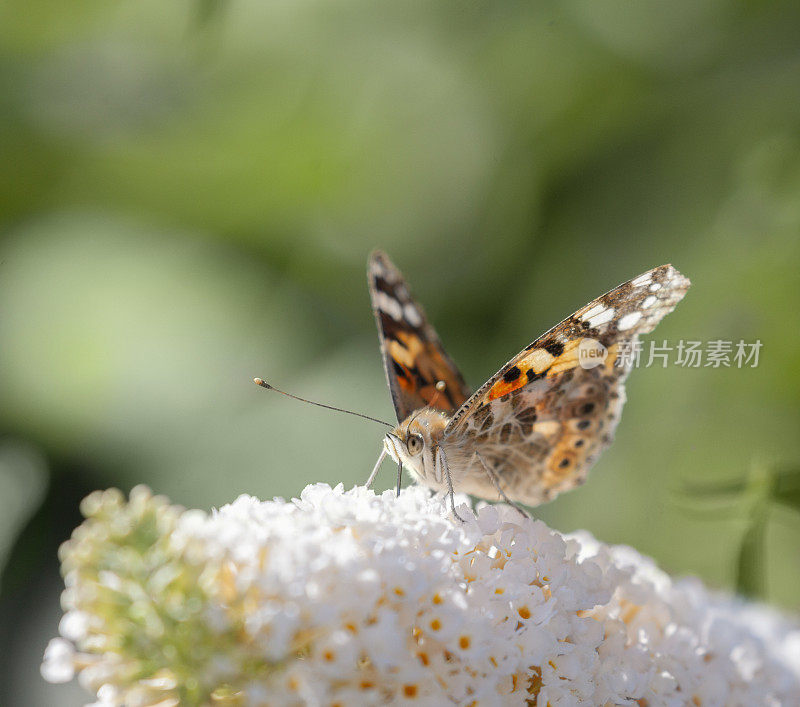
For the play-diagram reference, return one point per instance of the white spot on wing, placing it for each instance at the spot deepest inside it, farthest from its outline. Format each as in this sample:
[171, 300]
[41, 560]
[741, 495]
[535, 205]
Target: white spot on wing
[589, 313]
[649, 301]
[547, 428]
[389, 305]
[642, 279]
[605, 316]
[629, 320]
[412, 315]
[655, 287]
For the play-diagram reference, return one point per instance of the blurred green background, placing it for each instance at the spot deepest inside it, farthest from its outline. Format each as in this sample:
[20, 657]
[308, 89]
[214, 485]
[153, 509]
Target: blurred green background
[190, 191]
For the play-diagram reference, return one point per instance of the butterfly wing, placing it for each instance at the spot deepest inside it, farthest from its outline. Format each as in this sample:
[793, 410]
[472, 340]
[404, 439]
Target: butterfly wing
[413, 356]
[543, 419]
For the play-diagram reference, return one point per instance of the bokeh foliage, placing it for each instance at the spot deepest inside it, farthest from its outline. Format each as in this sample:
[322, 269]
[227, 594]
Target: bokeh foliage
[190, 191]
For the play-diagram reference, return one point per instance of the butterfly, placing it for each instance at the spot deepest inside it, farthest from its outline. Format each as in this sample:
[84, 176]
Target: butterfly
[536, 427]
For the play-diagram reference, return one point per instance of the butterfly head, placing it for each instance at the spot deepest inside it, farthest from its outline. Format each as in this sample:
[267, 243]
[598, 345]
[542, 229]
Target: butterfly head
[415, 440]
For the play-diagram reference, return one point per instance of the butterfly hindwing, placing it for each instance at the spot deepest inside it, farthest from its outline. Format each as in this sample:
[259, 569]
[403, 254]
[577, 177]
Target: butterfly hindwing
[543, 419]
[413, 356]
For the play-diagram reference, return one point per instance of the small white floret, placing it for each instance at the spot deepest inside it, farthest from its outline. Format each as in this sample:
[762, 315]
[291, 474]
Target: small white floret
[354, 597]
[58, 665]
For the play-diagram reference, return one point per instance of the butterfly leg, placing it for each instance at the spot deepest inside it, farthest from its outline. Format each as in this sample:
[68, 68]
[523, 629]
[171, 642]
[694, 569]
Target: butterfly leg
[399, 475]
[375, 469]
[492, 474]
[443, 464]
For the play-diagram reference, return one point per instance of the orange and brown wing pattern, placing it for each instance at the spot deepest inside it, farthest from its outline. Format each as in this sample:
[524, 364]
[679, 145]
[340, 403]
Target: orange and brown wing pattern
[413, 356]
[544, 418]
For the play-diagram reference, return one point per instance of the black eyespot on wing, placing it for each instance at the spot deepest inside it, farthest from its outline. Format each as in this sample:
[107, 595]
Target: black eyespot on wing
[554, 348]
[512, 374]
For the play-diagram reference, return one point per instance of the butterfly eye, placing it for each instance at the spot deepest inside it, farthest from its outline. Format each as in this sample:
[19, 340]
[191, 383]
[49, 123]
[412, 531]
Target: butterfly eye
[414, 444]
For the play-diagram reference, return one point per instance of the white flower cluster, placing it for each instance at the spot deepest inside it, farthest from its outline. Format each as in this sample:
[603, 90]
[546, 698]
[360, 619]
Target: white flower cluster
[351, 598]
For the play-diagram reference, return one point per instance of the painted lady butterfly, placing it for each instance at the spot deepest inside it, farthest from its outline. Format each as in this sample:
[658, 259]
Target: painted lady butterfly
[535, 428]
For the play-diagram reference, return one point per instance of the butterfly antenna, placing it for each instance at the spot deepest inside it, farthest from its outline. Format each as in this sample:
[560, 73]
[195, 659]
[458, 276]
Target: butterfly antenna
[440, 386]
[264, 384]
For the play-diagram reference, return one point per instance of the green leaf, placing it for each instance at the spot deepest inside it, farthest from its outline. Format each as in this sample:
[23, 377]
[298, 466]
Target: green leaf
[23, 482]
[751, 565]
[715, 489]
[786, 489]
[207, 11]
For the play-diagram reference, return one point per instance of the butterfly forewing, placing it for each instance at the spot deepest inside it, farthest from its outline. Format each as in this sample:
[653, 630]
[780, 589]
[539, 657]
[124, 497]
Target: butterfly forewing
[413, 356]
[542, 420]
